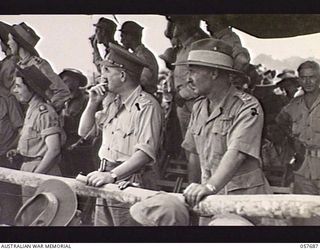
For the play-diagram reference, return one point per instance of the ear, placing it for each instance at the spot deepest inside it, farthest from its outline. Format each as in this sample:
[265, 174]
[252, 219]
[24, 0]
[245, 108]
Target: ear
[214, 74]
[123, 75]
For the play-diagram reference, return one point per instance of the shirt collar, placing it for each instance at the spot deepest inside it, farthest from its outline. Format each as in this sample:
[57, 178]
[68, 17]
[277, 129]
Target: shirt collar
[138, 48]
[130, 101]
[33, 103]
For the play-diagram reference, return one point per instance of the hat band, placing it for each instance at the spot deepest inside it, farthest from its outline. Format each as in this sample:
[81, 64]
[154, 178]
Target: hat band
[25, 35]
[211, 57]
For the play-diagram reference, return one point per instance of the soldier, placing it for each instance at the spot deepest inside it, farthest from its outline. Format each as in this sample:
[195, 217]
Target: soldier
[131, 35]
[301, 118]
[76, 151]
[224, 134]
[41, 136]
[130, 127]
[219, 29]
[11, 121]
[186, 30]
[104, 33]
[22, 41]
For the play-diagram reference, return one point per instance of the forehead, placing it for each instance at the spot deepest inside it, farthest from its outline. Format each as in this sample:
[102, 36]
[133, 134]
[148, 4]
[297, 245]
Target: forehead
[199, 69]
[308, 72]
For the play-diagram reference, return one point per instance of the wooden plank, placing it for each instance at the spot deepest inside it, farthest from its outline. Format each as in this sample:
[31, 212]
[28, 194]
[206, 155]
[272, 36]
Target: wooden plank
[273, 206]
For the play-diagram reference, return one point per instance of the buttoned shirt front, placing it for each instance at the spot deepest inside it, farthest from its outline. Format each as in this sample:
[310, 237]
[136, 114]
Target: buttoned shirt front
[58, 93]
[236, 123]
[128, 126]
[41, 121]
[305, 127]
[149, 76]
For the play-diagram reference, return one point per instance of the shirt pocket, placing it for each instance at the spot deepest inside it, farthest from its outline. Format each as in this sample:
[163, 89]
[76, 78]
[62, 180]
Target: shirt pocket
[30, 141]
[315, 121]
[219, 133]
[125, 141]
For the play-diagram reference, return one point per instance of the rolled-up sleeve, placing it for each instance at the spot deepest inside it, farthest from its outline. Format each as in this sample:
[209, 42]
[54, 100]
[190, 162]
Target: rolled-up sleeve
[246, 131]
[50, 124]
[149, 131]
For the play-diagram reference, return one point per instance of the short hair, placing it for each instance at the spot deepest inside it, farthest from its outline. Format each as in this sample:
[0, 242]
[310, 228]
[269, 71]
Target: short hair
[309, 65]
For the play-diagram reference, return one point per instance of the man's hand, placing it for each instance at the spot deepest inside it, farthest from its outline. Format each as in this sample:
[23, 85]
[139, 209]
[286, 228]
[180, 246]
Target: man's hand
[97, 179]
[195, 192]
[98, 93]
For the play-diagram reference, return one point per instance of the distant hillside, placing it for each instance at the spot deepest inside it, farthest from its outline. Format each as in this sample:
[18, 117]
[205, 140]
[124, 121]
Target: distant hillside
[275, 64]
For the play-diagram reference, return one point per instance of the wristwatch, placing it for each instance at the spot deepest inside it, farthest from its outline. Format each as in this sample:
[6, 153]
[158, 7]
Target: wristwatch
[212, 188]
[114, 176]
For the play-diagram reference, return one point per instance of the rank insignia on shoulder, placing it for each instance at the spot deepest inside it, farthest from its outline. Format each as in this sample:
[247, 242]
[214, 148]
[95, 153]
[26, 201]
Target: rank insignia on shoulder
[138, 106]
[42, 108]
[254, 112]
[245, 97]
[37, 59]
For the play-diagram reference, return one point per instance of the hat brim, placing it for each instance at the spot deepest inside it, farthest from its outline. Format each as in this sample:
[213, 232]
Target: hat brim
[208, 65]
[83, 80]
[67, 200]
[23, 42]
[4, 31]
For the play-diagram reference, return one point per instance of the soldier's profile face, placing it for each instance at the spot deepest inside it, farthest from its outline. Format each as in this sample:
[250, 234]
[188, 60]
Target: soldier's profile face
[13, 45]
[309, 79]
[21, 90]
[112, 74]
[199, 79]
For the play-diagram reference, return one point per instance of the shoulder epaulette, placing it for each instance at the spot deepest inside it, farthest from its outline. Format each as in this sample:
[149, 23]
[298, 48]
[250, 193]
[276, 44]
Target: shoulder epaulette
[37, 59]
[244, 96]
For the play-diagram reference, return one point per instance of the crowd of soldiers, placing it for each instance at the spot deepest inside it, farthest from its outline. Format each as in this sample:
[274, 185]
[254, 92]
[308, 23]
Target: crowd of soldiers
[209, 107]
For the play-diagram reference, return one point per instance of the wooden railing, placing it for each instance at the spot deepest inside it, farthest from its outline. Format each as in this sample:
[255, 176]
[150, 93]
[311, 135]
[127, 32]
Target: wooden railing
[272, 206]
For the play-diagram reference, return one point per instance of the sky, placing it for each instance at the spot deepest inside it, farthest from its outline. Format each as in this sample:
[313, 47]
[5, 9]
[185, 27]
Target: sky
[64, 39]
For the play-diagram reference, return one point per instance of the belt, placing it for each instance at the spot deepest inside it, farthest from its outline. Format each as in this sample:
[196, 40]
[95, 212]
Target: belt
[313, 152]
[106, 165]
[28, 159]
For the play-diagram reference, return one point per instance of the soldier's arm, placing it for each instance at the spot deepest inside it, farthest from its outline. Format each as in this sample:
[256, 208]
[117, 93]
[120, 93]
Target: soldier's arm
[60, 91]
[87, 120]
[50, 158]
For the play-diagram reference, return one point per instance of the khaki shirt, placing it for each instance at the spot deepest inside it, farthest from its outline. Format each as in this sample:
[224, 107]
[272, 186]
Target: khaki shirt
[305, 127]
[58, 93]
[41, 121]
[132, 125]
[235, 124]
[149, 76]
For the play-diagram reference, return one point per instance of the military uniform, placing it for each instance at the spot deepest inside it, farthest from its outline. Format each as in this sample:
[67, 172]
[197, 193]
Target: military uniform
[128, 126]
[231, 38]
[305, 126]
[11, 119]
[58, 93]
[41, 121]
[180, 75]
[149, 76]
[235, 124]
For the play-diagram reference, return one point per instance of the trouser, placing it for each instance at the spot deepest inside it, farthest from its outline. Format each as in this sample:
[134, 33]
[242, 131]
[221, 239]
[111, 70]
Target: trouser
[31, 166]
[114, 213]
